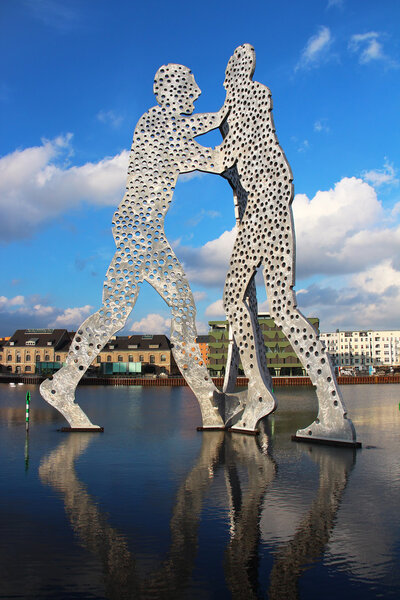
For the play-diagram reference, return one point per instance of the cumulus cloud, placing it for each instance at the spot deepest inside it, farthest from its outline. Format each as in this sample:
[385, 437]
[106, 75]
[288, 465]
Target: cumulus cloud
[316, 49]
[216, 309]
[369, 47]
[35, 186]
[334, 229]
[385, 176]
[344, 237]
[338, 231]
[207, 265]
[152, 323]
[72, 317]
[368, 300]
[21, 312]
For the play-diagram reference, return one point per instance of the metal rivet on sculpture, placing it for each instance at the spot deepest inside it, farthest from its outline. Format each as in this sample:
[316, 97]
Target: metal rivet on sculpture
[251, 159]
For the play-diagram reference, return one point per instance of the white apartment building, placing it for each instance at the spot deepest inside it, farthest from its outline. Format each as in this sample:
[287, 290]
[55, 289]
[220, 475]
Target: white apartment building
[363, 349]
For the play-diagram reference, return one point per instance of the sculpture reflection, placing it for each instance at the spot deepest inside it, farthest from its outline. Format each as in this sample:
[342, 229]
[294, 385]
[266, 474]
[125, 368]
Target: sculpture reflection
[314, 531]
[248, 470]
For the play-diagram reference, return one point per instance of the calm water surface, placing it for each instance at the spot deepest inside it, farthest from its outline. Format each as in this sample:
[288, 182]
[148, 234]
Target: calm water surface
[152, 508]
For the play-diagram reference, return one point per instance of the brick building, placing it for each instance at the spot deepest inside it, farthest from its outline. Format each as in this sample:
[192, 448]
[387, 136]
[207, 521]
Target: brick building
[44, 351]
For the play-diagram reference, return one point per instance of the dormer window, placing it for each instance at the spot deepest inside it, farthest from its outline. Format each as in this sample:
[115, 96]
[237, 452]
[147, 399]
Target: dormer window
[49, 343]
[31, 342]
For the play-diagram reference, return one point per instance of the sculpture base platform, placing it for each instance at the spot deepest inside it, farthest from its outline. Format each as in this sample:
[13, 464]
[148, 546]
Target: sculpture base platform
[326, 442]
[84, 429]
[210, 428]
[245, 431]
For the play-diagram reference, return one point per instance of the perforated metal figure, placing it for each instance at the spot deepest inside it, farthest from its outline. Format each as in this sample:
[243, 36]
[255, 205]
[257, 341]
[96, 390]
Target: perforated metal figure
[262, 181]
[163, 147]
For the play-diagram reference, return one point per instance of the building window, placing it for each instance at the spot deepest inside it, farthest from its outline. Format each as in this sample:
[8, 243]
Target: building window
[47, 357]
[9, 357]
[141, 358]
[27, 368]
[28, 358]
[108, 358]
[98, 359]
[152, 359]
[37, 358]
[18, 359]
[58, 358]
[120, 358]
[130, 358]
[163, 358]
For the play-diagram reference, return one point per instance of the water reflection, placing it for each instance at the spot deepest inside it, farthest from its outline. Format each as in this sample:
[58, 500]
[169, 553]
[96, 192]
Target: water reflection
[314, 531]
[248, 470]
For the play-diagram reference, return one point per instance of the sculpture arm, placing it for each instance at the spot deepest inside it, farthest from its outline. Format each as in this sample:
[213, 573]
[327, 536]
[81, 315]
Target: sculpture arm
[204, 122]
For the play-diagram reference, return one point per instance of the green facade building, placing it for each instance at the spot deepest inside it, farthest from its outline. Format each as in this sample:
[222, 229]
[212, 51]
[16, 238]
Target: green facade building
[281, 358]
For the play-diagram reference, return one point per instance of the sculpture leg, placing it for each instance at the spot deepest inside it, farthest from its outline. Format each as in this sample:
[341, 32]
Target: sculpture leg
[331, 422]
[241, 310]
[177, 294]
[93, 334]
[232, 364]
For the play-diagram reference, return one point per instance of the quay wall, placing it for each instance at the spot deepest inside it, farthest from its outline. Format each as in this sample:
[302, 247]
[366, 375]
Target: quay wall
[179, 381]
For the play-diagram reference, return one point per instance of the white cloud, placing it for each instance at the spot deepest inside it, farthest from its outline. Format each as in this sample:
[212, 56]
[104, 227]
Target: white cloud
[216, 309]
[152, 323]
[34, 187]
[334, 229]
[198, 296]
[21, 312]
[202, 328]
[207, 265]
[17, 301]
[110, 117]
[203, 214]
[321, 126]
[339, 231]
[368, 300]
[304, 146]
[316, 49]
[72, 317]
[369, 48]
[378, 177]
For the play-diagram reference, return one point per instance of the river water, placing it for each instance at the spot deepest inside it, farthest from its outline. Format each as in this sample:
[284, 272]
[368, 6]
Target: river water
[151, 508]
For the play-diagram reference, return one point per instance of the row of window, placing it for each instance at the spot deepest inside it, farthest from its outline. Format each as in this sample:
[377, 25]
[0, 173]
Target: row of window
[163, 358]
[28, 358]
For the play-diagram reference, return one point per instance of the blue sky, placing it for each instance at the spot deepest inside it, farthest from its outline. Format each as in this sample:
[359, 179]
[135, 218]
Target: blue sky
[76, 76]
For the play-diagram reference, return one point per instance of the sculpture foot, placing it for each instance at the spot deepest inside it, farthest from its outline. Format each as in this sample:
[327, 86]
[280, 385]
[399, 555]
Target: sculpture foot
[253, 407]
[342, 433]
[63, 401]
[211, 411]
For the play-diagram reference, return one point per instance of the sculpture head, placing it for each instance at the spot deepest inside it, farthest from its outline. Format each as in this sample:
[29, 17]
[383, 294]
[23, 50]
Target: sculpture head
[241, 65]
[175, 88]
